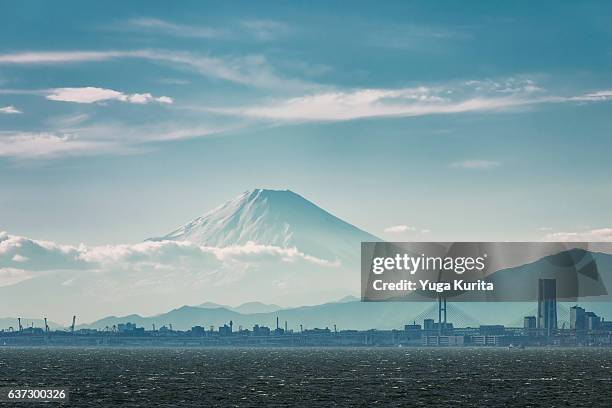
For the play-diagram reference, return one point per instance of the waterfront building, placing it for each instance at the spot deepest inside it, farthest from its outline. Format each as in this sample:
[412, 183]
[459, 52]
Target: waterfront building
[577, 318]
[547, 306]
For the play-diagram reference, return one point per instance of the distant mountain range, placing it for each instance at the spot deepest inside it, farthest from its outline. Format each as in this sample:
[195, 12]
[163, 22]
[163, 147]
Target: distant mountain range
[245, 308]
[349, 313]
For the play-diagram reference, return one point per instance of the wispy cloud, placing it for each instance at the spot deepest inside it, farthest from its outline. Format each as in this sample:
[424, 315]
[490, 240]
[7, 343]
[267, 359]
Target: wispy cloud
[159, 26]
[599, 96]
[10, 110]
[58, 57]
[49, 144]
[367, 103]
[250, 70]
[265, 30]
[253, 29]
[396, 229]
[405, 229]
[511, 85]
[592, 235]
[92, 94]
[173, 81]
[471, 96]
[412, 36]
[96, 139]
[476, 164]
[68, 121]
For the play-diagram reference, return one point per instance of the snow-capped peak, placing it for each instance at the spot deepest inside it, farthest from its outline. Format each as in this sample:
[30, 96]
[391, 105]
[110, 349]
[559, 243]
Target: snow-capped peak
[274, 217]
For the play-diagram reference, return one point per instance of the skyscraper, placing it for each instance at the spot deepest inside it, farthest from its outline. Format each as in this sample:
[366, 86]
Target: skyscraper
[577, 318]
[547, 305]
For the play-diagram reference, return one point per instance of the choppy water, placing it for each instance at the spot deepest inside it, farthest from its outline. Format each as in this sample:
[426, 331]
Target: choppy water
[316, 377]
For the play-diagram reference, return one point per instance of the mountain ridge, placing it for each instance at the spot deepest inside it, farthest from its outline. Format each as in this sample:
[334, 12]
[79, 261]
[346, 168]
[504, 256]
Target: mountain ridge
[244, 308]
[279, 218]
[351, 313]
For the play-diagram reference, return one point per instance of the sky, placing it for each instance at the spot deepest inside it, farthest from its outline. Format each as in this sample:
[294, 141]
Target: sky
[411, 120]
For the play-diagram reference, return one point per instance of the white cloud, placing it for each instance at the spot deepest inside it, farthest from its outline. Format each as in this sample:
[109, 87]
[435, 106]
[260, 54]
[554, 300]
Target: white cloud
[510, 85]
[171, 252]
[58, 57]
[87, 94]
[255, 70]
[262, 30]
[97, 139]
[10, 110]
[251, 70]
[24, 257]
[159, 26]
[252, 251]
[19, 258]
[600, 96]
[476, 164]
[396, 229]
[35, 255]
[91, 94]
[470, 96]
[402, 228]
[367, 103]
[593, 235]
[164, 99]
[48, 144]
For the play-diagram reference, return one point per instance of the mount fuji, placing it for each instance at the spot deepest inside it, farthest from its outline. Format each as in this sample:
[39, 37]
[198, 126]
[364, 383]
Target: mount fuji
[270, 246]
[279, 218]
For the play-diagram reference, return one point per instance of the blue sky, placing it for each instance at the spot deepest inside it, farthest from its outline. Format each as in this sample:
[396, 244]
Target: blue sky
[445, 121]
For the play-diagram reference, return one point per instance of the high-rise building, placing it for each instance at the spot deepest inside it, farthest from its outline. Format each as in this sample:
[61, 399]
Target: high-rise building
[529, 322]
[577, 318]
[547, 305]
[592, 321]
